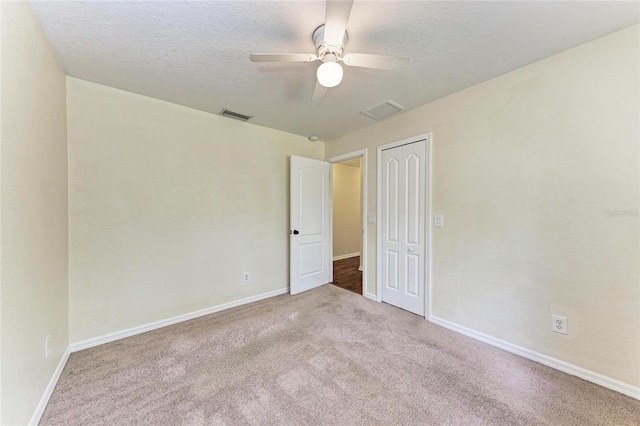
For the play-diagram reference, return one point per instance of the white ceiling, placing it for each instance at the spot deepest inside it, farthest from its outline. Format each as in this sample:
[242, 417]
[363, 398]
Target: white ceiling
[197, 53]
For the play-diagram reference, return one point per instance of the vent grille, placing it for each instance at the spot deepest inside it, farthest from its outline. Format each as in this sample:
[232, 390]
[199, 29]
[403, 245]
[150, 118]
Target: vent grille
[382, 110]
[235, 115]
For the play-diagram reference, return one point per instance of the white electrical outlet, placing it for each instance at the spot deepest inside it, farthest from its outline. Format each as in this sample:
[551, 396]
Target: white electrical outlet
[245, 277]
[47, 347]
[559, 324]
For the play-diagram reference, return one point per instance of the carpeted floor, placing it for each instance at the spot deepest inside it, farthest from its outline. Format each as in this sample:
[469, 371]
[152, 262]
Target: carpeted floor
[326, 356]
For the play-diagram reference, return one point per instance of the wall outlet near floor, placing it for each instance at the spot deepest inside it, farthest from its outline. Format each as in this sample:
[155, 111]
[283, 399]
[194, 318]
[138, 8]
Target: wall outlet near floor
[559, 324]
[47, 346]
[245, 277]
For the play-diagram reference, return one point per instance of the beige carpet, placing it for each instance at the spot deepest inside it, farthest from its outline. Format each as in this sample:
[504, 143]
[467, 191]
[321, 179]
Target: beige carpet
[327, 356]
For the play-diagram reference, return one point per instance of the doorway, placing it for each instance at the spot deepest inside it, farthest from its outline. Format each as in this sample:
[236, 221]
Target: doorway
[348, 223]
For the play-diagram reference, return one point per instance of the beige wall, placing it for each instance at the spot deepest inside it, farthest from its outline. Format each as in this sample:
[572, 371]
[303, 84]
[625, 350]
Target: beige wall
[168, 206]
[347, 217]
[34, 213]
[525, 168]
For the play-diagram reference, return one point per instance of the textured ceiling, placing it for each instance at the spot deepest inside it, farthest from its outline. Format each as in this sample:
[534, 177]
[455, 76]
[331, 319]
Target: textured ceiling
[197, 53]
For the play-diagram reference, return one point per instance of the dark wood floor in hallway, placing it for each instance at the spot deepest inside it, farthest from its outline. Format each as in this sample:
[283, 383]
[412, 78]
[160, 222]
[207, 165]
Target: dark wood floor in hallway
[346, 274]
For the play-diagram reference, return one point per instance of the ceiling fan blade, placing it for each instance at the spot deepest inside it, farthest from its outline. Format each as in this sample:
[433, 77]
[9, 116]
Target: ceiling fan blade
[319, 92]
[335, 21]
[283, 57]
[383, 62]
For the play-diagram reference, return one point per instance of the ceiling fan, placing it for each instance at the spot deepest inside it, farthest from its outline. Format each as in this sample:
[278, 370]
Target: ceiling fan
[330, 40]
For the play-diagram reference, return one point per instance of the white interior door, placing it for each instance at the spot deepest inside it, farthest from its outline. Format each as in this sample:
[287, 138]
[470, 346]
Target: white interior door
[310, 233]
[403, 226]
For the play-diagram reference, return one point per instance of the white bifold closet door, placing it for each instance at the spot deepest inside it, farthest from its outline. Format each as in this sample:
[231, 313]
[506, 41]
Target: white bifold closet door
[403, 226]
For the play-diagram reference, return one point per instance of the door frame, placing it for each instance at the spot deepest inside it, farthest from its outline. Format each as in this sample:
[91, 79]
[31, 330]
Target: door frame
[363, 199]
[428, 216]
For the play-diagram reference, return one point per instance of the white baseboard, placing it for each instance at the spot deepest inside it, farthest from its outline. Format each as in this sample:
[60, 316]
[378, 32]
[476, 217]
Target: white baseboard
[346, 256]
[96, 341]
[37, 415]
[370, 296]
[574, 370]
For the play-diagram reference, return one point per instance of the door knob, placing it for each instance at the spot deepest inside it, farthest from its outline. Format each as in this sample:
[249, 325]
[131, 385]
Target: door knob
[410, 250]
[295, 232]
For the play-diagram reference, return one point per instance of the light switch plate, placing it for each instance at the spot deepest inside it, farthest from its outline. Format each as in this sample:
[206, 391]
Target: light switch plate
[371, 218]
[439, 221]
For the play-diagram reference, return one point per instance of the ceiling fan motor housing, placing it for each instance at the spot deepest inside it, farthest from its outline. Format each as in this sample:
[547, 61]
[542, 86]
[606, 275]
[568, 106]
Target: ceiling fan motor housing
[323, 49]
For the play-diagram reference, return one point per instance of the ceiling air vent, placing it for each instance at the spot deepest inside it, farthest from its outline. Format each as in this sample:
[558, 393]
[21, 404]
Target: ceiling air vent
[232, 114]
[382, 110]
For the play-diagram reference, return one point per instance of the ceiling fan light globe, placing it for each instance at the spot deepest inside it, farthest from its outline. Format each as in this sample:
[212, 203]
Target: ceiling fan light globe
[330, 74]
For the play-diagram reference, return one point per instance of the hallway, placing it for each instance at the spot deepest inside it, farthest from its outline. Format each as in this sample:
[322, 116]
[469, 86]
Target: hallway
[346, 274]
